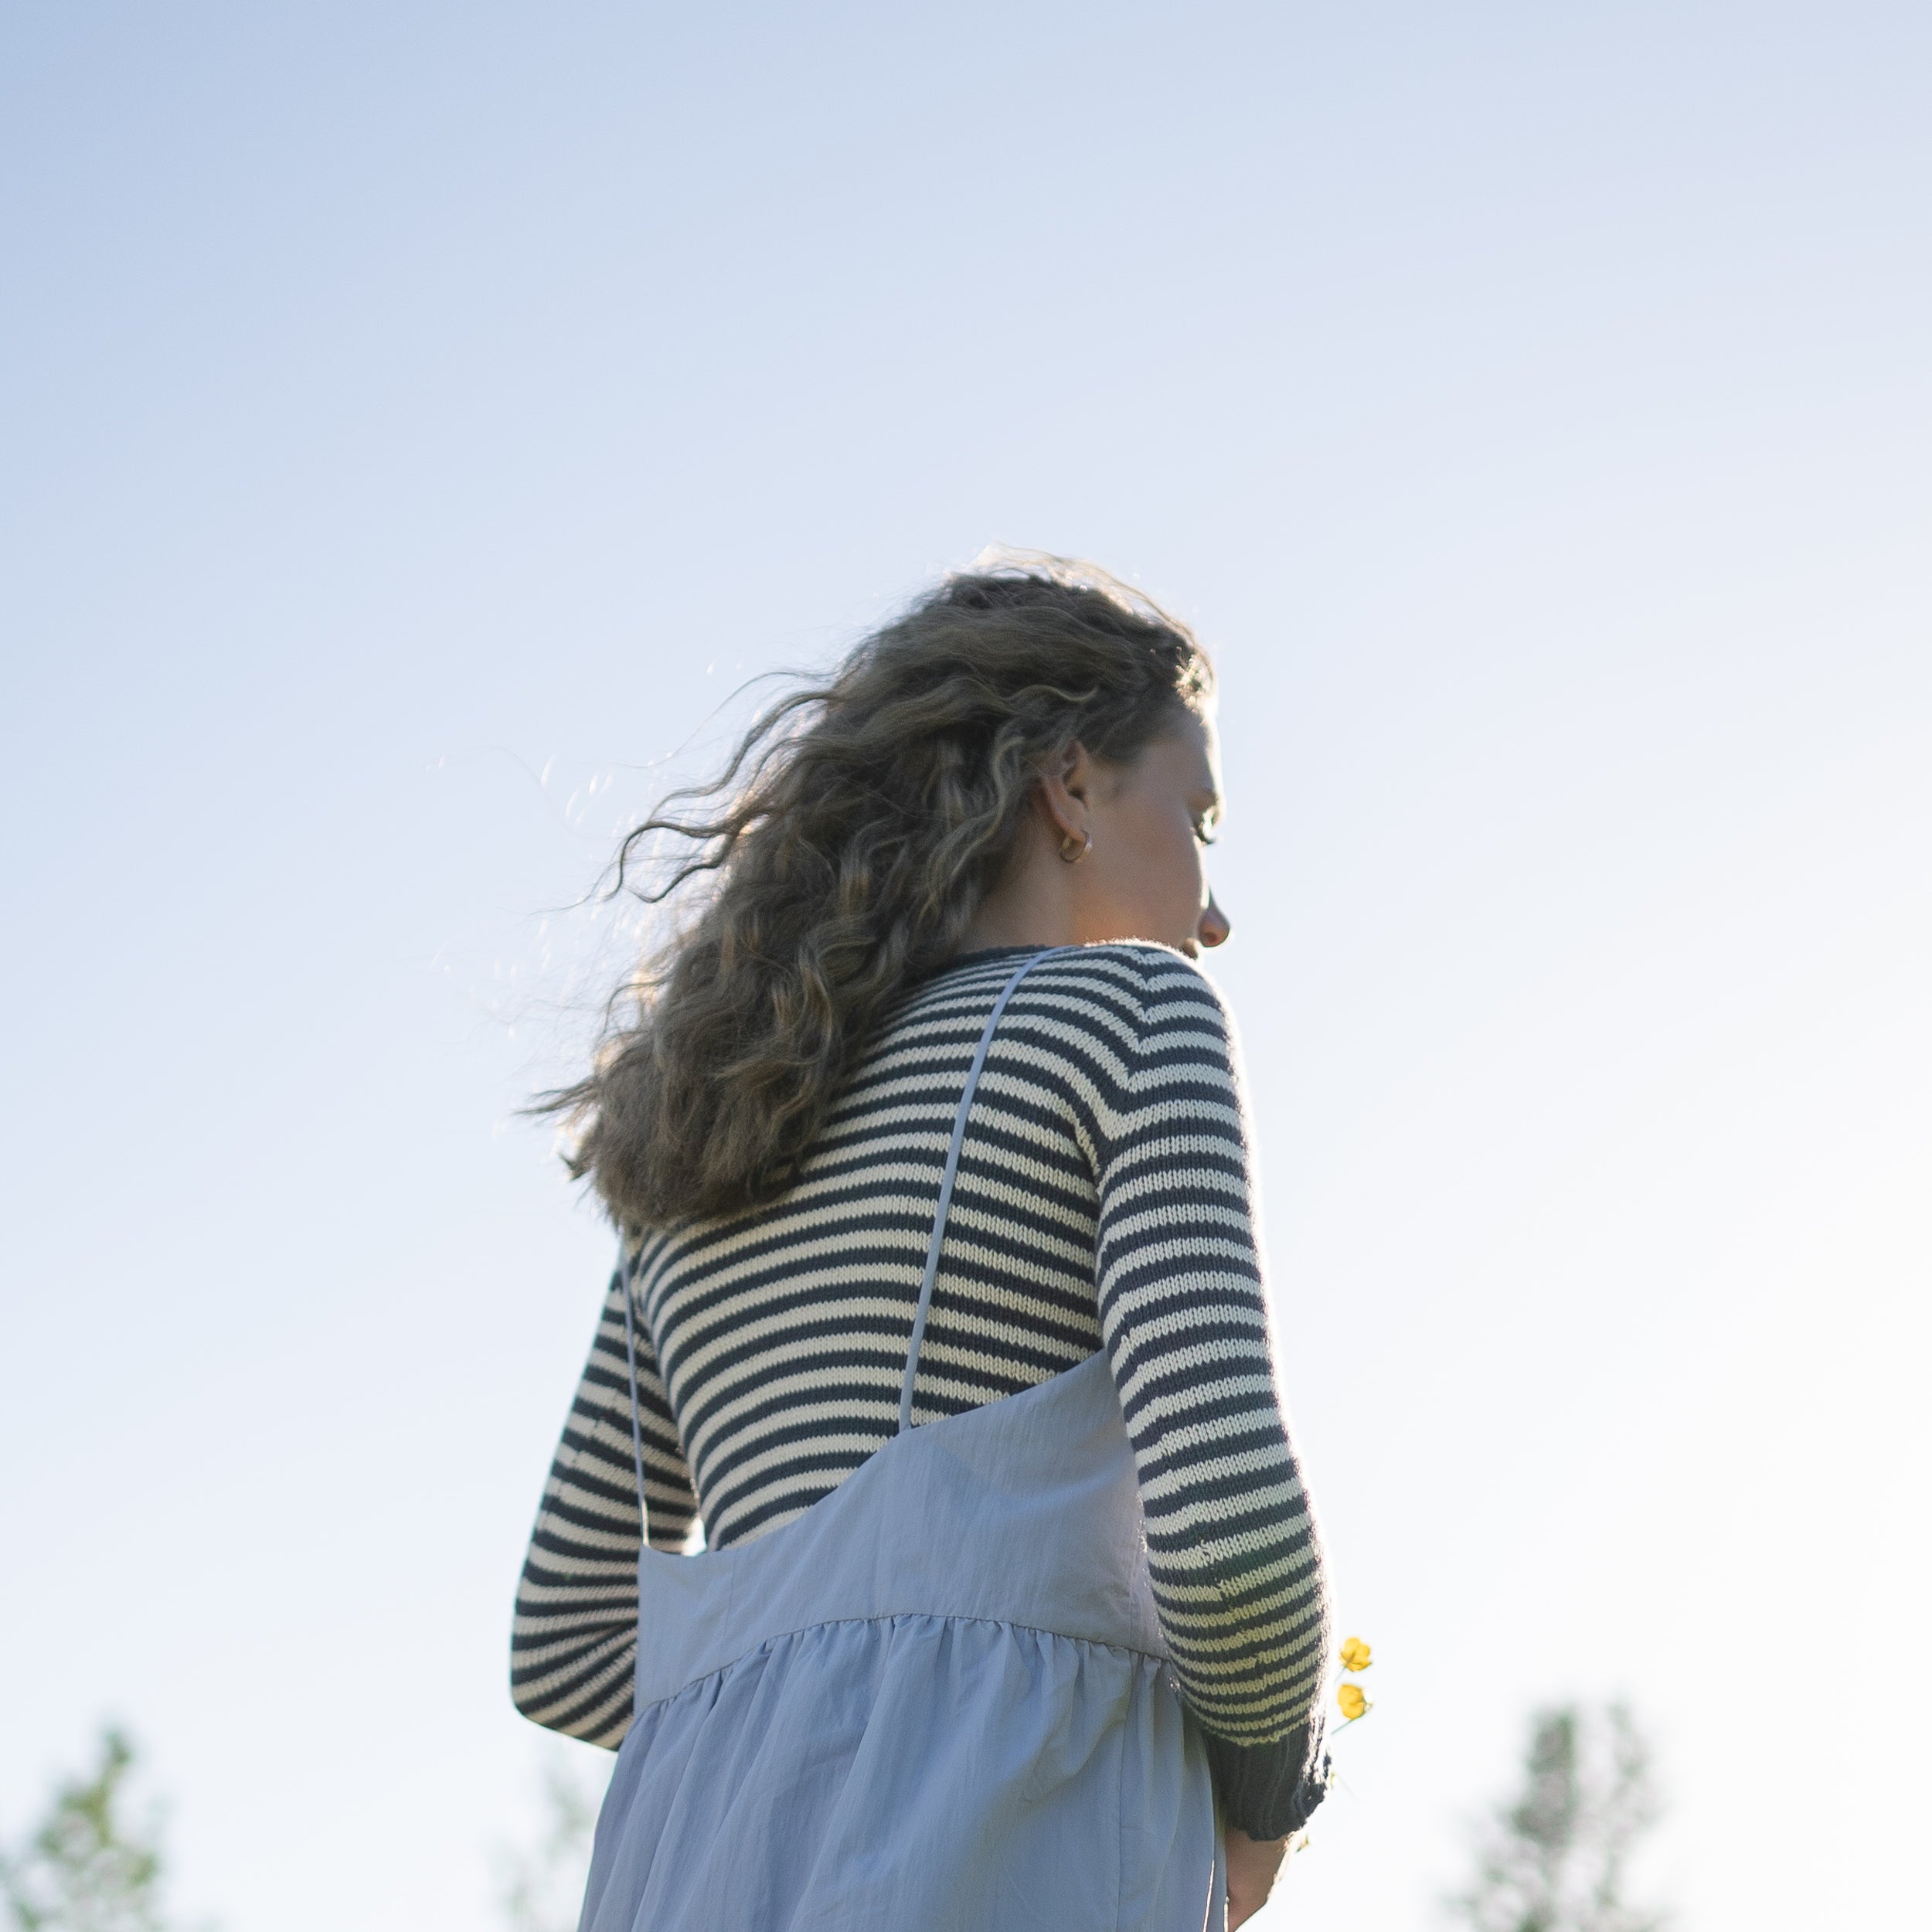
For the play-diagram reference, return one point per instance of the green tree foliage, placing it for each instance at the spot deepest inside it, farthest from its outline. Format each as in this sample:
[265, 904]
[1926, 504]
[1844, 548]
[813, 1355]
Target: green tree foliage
[1557, 1858]
[86, 1868]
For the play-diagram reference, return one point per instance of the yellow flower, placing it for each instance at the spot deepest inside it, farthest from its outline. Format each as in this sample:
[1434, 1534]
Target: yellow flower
[1355, 1655]
[1352, 1702]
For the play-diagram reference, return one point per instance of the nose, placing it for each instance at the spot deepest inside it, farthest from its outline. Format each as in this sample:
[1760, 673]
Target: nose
[1215, 925]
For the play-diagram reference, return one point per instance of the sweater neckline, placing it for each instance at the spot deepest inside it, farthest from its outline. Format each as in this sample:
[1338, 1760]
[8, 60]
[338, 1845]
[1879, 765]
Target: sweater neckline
[989, 952]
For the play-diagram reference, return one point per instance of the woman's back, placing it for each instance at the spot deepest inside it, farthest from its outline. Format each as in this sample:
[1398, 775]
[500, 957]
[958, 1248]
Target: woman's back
[1103, 1192]
[781, 1335]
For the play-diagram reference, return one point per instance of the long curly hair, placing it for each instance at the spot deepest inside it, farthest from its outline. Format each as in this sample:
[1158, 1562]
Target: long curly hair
[854, 831]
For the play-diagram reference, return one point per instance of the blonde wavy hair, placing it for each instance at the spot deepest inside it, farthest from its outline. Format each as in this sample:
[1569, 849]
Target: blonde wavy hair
[850, 840]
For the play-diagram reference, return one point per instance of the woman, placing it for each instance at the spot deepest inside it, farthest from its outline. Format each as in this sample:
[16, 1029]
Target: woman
[939, 1302]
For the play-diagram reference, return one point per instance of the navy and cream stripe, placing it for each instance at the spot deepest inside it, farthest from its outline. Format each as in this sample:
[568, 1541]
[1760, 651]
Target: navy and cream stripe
[1102, 1200]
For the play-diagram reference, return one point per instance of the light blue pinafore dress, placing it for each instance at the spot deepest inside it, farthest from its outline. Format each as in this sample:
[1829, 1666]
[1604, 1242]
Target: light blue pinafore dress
[936, 1702]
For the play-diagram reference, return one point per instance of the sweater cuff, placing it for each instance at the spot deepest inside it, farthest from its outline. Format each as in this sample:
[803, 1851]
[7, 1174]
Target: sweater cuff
[1269, 1791]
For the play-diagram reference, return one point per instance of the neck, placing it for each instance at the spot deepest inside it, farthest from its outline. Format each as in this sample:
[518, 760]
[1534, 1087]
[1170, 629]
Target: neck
[1033, 909]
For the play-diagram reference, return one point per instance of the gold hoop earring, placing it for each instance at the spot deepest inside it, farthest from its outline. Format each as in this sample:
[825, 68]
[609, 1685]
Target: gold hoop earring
[1071, 857]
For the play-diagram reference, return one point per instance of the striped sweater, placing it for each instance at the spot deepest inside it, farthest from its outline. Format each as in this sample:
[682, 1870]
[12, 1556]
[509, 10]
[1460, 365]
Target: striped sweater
[1103, 1200]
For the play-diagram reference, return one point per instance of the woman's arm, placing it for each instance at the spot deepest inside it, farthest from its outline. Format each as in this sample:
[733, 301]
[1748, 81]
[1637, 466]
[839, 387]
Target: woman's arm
[1252, 1867]
[1232, 1543]
[573, 1641]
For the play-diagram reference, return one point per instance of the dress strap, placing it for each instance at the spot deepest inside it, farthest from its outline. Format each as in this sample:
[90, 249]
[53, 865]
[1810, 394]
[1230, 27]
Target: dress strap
[946, 1180]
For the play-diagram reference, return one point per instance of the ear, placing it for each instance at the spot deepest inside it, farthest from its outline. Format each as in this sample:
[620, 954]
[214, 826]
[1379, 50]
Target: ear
[1062, 790]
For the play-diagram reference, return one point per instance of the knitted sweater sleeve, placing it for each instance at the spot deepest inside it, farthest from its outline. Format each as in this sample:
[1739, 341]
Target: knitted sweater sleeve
[1233, 1545]
[574, 1637]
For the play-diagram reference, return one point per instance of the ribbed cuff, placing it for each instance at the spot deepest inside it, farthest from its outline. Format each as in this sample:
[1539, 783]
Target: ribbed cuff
[1268, 1790]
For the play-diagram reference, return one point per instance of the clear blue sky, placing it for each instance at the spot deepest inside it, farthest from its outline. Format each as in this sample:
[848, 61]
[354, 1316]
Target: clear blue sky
[417, 420]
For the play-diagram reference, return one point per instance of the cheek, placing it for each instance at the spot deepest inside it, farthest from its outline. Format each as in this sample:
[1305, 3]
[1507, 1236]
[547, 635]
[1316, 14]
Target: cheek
[1169, 863]
[1192, 871]
[1155, 878]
